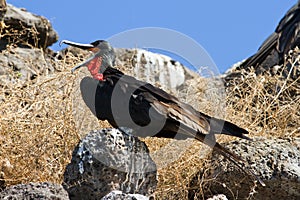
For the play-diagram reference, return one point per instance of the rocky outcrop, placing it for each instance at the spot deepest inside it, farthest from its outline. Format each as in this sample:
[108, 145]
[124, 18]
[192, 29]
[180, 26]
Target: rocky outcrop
[25, 29]
[23, 64]
[23, 42]
[42, 191]
[171, 76]
[276, 161]
[154, 68]
[107, 160]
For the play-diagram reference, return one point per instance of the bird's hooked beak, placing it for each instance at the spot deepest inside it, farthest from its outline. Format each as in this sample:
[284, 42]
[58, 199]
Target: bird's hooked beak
[89, 47]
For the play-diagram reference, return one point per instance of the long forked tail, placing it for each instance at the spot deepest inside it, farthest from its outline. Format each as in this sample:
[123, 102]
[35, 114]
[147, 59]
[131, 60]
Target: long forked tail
[238, 161]
[219, 126]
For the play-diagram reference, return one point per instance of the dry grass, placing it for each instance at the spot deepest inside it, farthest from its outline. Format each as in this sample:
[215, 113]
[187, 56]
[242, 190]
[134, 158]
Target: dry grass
[38, 126]
[20, 35]
[269, 105]
[37, 129]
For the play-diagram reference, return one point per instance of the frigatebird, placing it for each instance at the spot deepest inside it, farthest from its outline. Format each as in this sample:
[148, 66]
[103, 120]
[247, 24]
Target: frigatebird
[124, 101]
[274, 49]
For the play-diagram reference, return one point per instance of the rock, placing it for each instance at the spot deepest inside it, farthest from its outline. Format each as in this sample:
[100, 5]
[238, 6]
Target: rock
[35, 191]
[23, 28]
[107, 160]
[154, 68]
[22, 36]
[23, 64]
[276, 161]
[119, 195]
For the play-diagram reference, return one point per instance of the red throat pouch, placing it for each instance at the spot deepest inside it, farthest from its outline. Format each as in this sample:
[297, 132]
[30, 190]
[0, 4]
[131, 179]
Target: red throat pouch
[94, 67]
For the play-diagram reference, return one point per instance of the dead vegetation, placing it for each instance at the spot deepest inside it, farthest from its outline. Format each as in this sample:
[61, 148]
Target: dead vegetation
[268, 103]
[39, 129]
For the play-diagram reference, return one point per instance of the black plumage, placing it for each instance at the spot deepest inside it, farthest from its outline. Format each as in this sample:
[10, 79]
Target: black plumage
[148, 110]
[148, 105]
[273, 50]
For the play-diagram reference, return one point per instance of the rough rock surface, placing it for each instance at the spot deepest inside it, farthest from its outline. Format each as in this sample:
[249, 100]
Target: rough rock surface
[153, 67]
[23, 64]
[23, 41]
[23, 28]
[43, 191]
[275, 161]
[107, 160]
[161, 71]
[119, 195]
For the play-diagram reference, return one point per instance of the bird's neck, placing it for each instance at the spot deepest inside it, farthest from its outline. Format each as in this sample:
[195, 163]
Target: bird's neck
[109, 71]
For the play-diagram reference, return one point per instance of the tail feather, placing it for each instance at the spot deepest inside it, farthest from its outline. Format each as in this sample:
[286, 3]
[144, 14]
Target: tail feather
[239, 162]
[235, 159]
[218, 126]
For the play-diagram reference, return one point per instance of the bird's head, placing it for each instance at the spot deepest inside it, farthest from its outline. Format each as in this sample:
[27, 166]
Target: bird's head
[104, 56]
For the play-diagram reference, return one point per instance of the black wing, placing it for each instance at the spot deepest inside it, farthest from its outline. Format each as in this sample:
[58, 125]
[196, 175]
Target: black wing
[274, 48]
[169, 106]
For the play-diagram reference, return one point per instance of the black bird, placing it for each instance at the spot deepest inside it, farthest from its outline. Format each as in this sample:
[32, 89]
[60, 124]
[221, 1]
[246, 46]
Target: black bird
[273, 50]
[127, 102]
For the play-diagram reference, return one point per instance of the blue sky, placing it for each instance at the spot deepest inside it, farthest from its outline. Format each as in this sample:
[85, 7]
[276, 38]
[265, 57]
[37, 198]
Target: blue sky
[228, 30]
